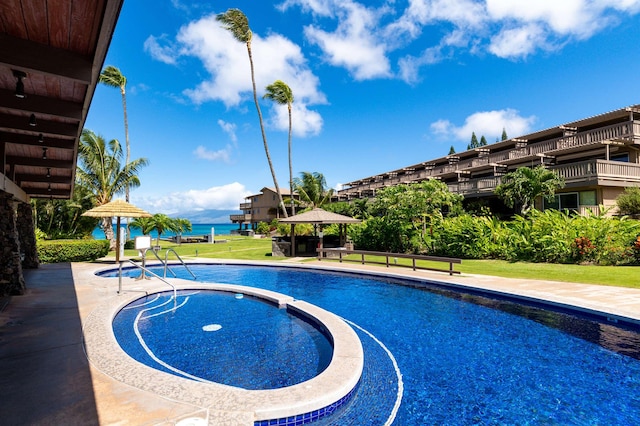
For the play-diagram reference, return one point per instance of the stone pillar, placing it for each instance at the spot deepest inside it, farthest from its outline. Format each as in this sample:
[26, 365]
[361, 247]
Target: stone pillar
[27, 236]
[11, 279]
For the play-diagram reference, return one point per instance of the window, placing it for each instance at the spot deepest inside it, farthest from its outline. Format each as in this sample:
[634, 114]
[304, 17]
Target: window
[568, 201]
[624, 157]
[588, 198]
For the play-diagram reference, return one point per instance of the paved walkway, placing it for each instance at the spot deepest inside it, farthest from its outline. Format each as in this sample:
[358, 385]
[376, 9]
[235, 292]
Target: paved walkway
[46, 378]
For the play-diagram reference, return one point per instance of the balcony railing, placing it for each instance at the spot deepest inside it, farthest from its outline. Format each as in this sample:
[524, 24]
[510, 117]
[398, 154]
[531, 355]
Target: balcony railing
[245, 206]
[240, 217]
[629, 130]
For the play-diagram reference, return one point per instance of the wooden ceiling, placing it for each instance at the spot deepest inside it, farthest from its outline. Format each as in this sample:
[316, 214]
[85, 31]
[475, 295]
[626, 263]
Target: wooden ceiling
[60, 45]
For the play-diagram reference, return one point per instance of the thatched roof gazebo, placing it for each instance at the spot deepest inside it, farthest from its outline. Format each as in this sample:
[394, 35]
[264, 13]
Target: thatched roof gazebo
[320, 218]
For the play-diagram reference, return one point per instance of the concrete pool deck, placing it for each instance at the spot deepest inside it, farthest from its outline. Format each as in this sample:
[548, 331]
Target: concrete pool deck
[46, 377]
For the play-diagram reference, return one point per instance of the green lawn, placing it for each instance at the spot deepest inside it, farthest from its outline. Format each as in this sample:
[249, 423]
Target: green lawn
[247, 248]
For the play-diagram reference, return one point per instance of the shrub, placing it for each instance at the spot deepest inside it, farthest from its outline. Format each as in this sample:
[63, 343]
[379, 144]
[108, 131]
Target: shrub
[263, 228]
[629, 201]
[55, 251]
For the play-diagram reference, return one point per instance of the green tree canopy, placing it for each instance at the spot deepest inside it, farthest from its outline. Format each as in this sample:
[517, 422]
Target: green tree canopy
[474, 141]
[312, 189]
[452, 150]
[504, 134]
[629, 201]
[101, 172]
[483, 141]
[522, 186]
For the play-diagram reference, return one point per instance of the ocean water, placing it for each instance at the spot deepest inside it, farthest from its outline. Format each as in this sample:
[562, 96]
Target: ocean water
[198, 229]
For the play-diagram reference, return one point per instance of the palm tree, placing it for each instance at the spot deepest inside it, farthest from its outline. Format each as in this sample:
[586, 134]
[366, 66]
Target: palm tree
[311, 188]
[281, 93]
[112, 77]
[181, 225]
[237, 23]
[522, 187]
[161, 222]
[101, 172]
[144, 224]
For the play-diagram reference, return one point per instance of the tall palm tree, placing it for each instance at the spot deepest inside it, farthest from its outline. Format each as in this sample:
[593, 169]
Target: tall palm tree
[113, 77]
[312, 189]
[100, 170]
[235, 21]
[281, 93]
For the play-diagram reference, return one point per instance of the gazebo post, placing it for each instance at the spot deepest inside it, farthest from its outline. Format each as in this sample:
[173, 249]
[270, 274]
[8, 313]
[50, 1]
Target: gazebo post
[293, 240]
[117, 239]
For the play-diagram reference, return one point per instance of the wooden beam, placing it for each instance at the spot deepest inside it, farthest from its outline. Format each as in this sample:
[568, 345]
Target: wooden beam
[34, 57]
[39, 162]
[42, 105]
[45, 193]
[49, 142]
[50, 128]
[42, 178]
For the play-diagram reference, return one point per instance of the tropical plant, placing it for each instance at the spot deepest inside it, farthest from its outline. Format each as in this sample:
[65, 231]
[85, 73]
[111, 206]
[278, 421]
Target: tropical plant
[58, 219]
[100, 170]
[144, 224]
[235, 21]
[629, 201]
[522, 186]
[113, 77]
[312, 189]
[160, 222]
[281, 93]
[182, 225]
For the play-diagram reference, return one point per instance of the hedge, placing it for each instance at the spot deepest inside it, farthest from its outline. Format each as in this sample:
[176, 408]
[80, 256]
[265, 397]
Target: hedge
[55, 251]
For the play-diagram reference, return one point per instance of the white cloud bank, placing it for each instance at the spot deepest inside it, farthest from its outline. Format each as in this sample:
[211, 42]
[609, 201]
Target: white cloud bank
[227, 63]
[365, 38]
[226, 197]
[487, 123]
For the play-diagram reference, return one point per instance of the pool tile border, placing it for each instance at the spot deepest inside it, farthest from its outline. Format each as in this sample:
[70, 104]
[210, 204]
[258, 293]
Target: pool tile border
[322, 392]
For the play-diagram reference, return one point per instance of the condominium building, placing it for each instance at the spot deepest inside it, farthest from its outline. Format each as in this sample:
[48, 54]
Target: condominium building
[262, 207]
[597, 157]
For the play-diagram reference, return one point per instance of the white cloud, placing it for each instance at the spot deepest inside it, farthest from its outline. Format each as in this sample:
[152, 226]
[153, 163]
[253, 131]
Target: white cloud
[304, 122]
[225, 197]
[221, 154]
[518, 42]
[355, 44]
[229, 129]
[486, 123]
[166, 53]
[227, 62]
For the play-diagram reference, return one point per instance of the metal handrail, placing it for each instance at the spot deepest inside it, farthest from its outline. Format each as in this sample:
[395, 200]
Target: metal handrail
[166, 263]
[147, 271]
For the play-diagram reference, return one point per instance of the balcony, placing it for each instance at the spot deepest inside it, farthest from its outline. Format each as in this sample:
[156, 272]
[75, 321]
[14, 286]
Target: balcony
[245, 206]
[240, 218]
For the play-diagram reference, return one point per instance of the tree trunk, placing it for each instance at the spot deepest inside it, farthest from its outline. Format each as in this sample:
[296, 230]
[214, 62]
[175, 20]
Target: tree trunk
[107, 226]
[264, 136]
[293, 204]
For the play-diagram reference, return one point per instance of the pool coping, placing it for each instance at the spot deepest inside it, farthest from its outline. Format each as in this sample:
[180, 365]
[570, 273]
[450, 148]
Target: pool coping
[228, 403]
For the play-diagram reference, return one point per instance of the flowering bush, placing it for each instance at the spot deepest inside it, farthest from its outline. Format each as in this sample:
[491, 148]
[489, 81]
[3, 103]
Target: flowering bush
[583, 250]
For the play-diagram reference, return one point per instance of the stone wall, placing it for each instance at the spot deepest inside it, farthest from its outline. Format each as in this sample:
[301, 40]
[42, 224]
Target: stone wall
[27, 236]
[11, 279]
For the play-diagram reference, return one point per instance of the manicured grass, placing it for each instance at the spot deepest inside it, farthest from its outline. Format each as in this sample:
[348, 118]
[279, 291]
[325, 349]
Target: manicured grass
[248, 248]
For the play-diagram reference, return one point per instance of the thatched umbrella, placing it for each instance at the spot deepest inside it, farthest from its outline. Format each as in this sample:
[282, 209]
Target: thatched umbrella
[319, 217]
[118, 209]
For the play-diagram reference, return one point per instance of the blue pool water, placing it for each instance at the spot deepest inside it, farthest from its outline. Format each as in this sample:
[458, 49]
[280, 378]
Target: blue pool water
[191, 336]
[466, 359]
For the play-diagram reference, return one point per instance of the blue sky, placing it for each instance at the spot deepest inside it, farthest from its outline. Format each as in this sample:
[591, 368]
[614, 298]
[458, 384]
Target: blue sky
[378, 85]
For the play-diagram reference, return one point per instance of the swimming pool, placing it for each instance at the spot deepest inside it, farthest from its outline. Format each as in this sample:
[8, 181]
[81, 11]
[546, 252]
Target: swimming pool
[465, 363]
[222, 337]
